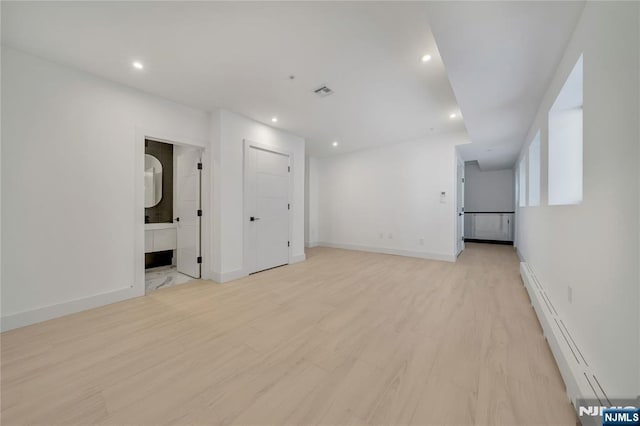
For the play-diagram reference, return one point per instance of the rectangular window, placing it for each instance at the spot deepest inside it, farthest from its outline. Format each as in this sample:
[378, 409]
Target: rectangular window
[517, 187]
[534, 171]
[565, 142]
[522, 180]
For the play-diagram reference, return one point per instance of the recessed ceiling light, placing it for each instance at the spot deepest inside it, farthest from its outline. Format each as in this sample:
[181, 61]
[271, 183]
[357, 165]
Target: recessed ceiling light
[453, 115]
[426, 58]
[138, 65]
[274, 119]
[335, 143]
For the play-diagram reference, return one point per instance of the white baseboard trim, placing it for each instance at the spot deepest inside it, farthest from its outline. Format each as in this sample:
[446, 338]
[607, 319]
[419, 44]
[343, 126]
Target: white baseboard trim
[224, 277]
[34, 316]
[579, 378]
[397, 252]
[311, 244]
[241, 273]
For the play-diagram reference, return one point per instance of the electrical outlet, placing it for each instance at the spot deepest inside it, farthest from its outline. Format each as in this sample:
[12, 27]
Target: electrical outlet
[570, 294]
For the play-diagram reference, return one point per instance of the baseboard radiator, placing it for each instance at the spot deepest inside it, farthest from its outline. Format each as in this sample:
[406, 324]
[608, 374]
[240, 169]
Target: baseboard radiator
[580, 379]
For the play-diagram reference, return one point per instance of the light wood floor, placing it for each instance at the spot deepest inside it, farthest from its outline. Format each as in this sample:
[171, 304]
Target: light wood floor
[344, 338]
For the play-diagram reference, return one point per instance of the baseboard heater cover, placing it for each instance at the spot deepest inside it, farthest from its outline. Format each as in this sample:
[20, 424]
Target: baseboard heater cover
[579, 377]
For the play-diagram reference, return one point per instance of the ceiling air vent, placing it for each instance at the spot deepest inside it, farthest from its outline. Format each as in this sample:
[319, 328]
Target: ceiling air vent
[323, 91]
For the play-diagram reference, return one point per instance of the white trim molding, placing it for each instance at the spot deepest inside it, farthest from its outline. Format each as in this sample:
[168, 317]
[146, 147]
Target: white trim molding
[297, 258]
[224, 277]
[45, 313]
[396, 252]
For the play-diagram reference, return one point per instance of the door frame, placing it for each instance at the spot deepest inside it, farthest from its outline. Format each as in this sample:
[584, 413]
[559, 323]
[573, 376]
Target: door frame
[248, 144]
[142, 134]
[460, 189]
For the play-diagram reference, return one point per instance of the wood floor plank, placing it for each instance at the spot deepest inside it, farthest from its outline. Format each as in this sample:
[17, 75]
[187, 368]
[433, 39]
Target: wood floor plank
[345, 338]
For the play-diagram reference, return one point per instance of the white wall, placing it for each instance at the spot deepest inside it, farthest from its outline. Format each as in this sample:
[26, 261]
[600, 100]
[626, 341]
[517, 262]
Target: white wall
[68, 168]
[388, 199]
[311, 197]
[488, 191]
[1, 184]
[228, 132]
[72, 145]
[306, 201]
[593, 247]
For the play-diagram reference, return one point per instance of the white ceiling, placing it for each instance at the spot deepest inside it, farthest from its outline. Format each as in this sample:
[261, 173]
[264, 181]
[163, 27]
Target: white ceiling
[499, 58]
[240, 55]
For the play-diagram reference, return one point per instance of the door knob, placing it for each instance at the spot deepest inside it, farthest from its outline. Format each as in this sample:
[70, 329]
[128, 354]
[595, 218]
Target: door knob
[253, 219]
[177, 219]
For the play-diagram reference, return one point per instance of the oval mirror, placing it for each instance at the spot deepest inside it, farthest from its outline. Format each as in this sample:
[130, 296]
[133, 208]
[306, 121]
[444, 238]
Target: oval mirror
[152, 181]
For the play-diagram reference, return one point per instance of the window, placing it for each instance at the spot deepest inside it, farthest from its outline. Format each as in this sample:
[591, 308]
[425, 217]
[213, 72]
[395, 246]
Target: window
[534, 171]
[517, 187]
[522, 182]
[565, 142]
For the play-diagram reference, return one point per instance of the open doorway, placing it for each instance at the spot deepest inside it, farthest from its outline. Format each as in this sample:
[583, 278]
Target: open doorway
[172, 202]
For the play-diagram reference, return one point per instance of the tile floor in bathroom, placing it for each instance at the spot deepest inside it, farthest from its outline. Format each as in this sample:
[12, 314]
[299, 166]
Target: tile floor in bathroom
[162, 277]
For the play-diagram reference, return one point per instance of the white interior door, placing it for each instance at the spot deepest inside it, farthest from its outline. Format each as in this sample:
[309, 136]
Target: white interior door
[267, 209]
[460, 206]
[187, 178]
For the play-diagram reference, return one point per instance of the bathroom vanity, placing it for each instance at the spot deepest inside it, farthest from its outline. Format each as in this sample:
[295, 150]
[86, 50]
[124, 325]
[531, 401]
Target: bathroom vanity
[160, 237]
